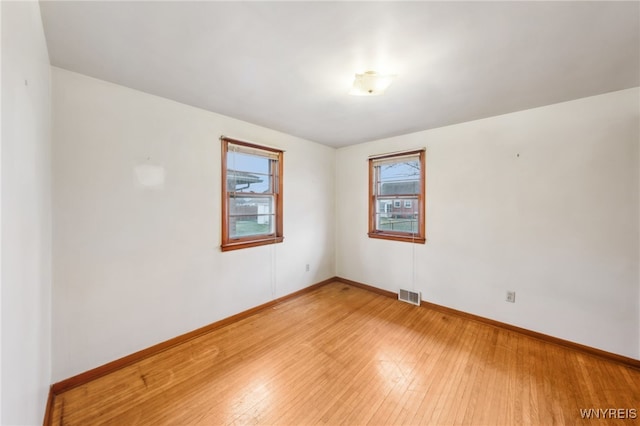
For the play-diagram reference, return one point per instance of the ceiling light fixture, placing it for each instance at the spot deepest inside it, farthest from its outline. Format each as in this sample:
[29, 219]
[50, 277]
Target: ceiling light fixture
[370, 83]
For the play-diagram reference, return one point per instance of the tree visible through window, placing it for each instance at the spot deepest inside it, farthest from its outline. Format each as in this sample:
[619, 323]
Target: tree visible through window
[397, 197]
[251, 195]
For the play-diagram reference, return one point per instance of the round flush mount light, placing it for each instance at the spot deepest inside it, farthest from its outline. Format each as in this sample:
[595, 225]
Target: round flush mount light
[370, 83]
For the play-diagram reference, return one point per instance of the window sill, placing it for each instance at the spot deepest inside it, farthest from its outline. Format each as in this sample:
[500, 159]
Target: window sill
[397, 237]
[236, 245]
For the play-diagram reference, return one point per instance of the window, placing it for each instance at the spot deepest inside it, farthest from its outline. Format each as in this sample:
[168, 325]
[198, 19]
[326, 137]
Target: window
[397, 178]
[251, 195]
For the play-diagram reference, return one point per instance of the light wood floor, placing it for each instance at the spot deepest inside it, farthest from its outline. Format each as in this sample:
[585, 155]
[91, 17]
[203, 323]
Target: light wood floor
[343, 355]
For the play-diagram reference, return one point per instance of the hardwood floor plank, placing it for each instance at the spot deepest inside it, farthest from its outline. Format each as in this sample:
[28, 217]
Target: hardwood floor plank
[344, 355]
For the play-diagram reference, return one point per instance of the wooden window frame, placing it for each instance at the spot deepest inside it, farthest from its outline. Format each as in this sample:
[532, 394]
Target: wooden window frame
[418, 238]
[229, 243]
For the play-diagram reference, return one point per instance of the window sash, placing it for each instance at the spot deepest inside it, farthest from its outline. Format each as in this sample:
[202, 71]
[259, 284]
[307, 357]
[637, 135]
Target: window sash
[241, 226]
[400, 184]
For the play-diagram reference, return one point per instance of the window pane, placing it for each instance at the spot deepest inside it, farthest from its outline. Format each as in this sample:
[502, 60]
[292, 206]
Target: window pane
[400, 215]
[251, 216]
[253, 163]
[248, 182]
[385, 222]
[251, 206]
[248, 173]
[242, 226]
[399, 178]
[397, 208]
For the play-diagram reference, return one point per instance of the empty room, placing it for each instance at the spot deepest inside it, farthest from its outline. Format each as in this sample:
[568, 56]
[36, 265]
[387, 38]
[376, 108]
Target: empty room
[296, 213]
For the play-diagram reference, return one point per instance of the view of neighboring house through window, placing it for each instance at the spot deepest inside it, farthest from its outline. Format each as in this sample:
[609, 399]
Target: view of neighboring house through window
[251, 195]
[397, 196]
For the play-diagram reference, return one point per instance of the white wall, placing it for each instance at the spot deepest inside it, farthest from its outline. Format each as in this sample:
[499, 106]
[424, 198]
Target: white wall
[133, 266]
[558, 223]
[26, 215]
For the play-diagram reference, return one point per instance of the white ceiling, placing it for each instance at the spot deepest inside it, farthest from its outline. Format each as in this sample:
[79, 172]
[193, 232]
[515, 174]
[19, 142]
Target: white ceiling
[289, 65]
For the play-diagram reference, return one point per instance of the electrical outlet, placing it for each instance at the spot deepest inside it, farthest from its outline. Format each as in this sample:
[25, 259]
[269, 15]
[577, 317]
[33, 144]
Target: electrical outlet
[307, 268]
[511, 296]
